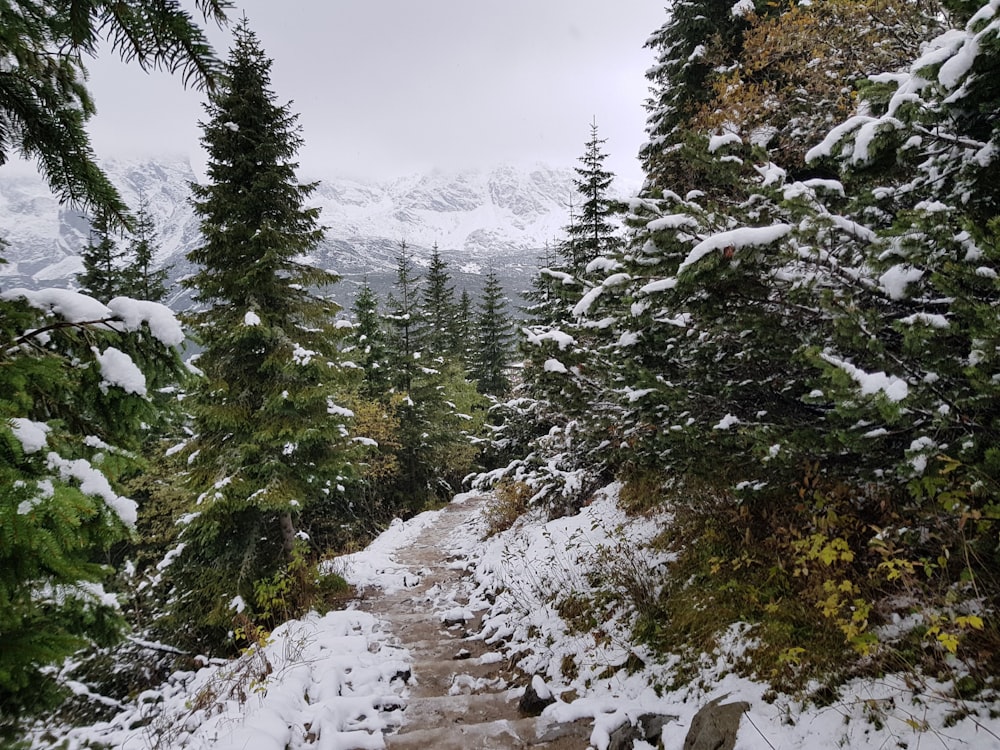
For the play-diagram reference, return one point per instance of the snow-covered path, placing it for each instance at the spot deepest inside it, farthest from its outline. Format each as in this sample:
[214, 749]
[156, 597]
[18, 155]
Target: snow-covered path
[461, 695]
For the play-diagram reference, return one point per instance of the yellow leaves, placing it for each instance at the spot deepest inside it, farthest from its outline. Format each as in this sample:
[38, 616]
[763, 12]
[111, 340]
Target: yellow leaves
[947, 632]
[975, 622]
[791, 656]
[798, 67]
[818, 547]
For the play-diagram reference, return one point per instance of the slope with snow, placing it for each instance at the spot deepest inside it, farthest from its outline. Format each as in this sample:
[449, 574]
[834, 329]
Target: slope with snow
[505, 215]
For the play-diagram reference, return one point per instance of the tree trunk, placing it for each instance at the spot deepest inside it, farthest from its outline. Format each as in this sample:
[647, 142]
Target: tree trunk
[287, 533]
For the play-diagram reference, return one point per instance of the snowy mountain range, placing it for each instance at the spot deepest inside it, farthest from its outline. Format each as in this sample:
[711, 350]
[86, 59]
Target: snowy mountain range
[505, 215]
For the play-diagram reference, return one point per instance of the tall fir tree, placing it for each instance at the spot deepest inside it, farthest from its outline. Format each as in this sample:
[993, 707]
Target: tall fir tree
[437, 309]
[405, 323]
[271, 436]
[142, 281]
[494, 339]
[102, 276]
[370, 347]
[74, 373]
[463, 327]
[591, 233]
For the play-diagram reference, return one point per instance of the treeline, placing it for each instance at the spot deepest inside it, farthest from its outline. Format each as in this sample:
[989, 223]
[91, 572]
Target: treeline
[193, 503]
[795, 346]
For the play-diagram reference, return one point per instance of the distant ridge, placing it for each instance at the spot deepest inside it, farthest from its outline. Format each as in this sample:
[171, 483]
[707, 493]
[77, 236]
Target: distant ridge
[506, 215]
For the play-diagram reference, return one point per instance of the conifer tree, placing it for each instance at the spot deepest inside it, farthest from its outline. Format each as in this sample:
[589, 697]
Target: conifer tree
[44, 101]
[271, 437]
[73, 414]
[102, 276]
[369, 344]
[437, 308]
[591, 234]
[141, 280]
[74, 373]
[463, 327]
[494, 339]
[405, 321]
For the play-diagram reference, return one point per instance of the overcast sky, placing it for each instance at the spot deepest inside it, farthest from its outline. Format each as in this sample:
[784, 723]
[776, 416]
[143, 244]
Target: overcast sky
[385, 88]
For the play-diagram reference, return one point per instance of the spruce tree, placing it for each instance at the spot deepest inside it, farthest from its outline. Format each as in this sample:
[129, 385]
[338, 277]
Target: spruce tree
[271, 436]
[370, 347]
[405, 322]
[141, 280]
[437, 309]
[494, 340]
[102, 276]
[75, 381]
[463, 328]
[44, 101]
[591, 233]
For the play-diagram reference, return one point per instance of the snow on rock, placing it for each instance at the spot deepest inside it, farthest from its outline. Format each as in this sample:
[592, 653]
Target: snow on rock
[736, 239]
[742, 8]
[251, 319]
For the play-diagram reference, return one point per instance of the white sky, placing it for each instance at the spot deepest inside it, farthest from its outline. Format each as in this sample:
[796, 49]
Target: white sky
[385, 88]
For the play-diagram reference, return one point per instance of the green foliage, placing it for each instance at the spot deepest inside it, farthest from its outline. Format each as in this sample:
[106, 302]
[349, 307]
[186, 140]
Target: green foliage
[297, 589]
[141, 281]
[494, 340]
[45, 101]
[272, 433]
[101, 262]
[67, 437]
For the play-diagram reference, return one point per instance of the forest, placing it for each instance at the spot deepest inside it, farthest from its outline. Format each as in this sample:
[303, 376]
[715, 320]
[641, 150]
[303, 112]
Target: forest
[787, 341]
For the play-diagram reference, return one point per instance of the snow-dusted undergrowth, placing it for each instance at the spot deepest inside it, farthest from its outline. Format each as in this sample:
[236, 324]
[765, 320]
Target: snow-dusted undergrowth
[523, 575]
[327, 682]
[331, 682]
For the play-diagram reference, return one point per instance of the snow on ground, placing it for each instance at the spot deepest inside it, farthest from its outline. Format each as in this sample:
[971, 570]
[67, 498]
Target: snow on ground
[331, 682]
[334, 682]
[522, 574]
[376, 564]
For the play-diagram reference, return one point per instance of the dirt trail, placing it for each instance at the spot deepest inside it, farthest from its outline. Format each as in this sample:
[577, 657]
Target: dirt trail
[462, 696]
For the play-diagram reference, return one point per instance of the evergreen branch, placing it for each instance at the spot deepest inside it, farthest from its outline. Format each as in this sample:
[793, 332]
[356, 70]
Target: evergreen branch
[28, 337]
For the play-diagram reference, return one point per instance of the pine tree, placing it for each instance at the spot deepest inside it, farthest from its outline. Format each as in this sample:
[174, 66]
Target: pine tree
[102, 276]
[74, 373]
[591, 234]
[369, 344]
[405, 321]
[544, 306]
[680, 88]
[437, 309]
[74, 411]
[463, 328]
[141, 280]
[494, 340]
[271, 438]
